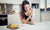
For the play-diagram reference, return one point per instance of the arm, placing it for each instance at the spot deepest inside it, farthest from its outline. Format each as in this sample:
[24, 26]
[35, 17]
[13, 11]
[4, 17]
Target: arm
[24, 21]
[33, 18]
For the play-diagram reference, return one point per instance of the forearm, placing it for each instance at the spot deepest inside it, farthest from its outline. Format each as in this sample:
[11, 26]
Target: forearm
[32, 21]
[27, 19]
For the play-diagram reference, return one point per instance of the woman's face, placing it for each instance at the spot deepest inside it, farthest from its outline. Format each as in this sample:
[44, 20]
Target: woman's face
[27, 7]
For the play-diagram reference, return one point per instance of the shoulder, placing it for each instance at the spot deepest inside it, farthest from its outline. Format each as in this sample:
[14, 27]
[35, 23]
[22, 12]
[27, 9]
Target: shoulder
[20, 12]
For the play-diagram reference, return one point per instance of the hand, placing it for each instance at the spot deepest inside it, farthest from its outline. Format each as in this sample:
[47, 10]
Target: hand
[30, 13]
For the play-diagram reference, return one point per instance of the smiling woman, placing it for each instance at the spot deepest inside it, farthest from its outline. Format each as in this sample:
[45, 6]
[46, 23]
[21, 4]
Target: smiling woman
[26, 13]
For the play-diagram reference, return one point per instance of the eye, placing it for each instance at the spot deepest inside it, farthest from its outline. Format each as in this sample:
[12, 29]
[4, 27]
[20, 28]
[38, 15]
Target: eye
[25, 7]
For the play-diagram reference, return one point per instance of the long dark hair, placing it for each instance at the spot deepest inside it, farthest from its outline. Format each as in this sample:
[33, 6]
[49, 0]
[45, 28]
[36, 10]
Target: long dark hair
[24, 3]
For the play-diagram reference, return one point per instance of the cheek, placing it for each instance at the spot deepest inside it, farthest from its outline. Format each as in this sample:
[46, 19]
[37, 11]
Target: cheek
[26, 9]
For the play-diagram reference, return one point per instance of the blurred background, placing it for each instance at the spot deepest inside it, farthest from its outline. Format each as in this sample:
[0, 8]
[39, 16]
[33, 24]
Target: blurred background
[11, 9]
[9, 14]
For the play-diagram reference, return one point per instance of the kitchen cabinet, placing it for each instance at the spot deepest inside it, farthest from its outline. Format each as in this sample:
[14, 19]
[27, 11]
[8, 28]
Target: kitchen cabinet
[11, 1]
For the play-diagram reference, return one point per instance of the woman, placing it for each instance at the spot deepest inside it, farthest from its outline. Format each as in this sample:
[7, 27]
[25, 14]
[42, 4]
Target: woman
[26, 13]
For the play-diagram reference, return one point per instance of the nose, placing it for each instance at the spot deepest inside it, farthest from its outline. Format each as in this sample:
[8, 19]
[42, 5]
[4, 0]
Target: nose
[27, 8]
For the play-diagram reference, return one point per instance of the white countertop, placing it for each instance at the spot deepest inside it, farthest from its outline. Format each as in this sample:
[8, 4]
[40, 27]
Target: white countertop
[39, 26]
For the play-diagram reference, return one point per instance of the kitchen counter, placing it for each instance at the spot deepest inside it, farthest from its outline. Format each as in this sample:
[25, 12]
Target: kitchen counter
[39, 26]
